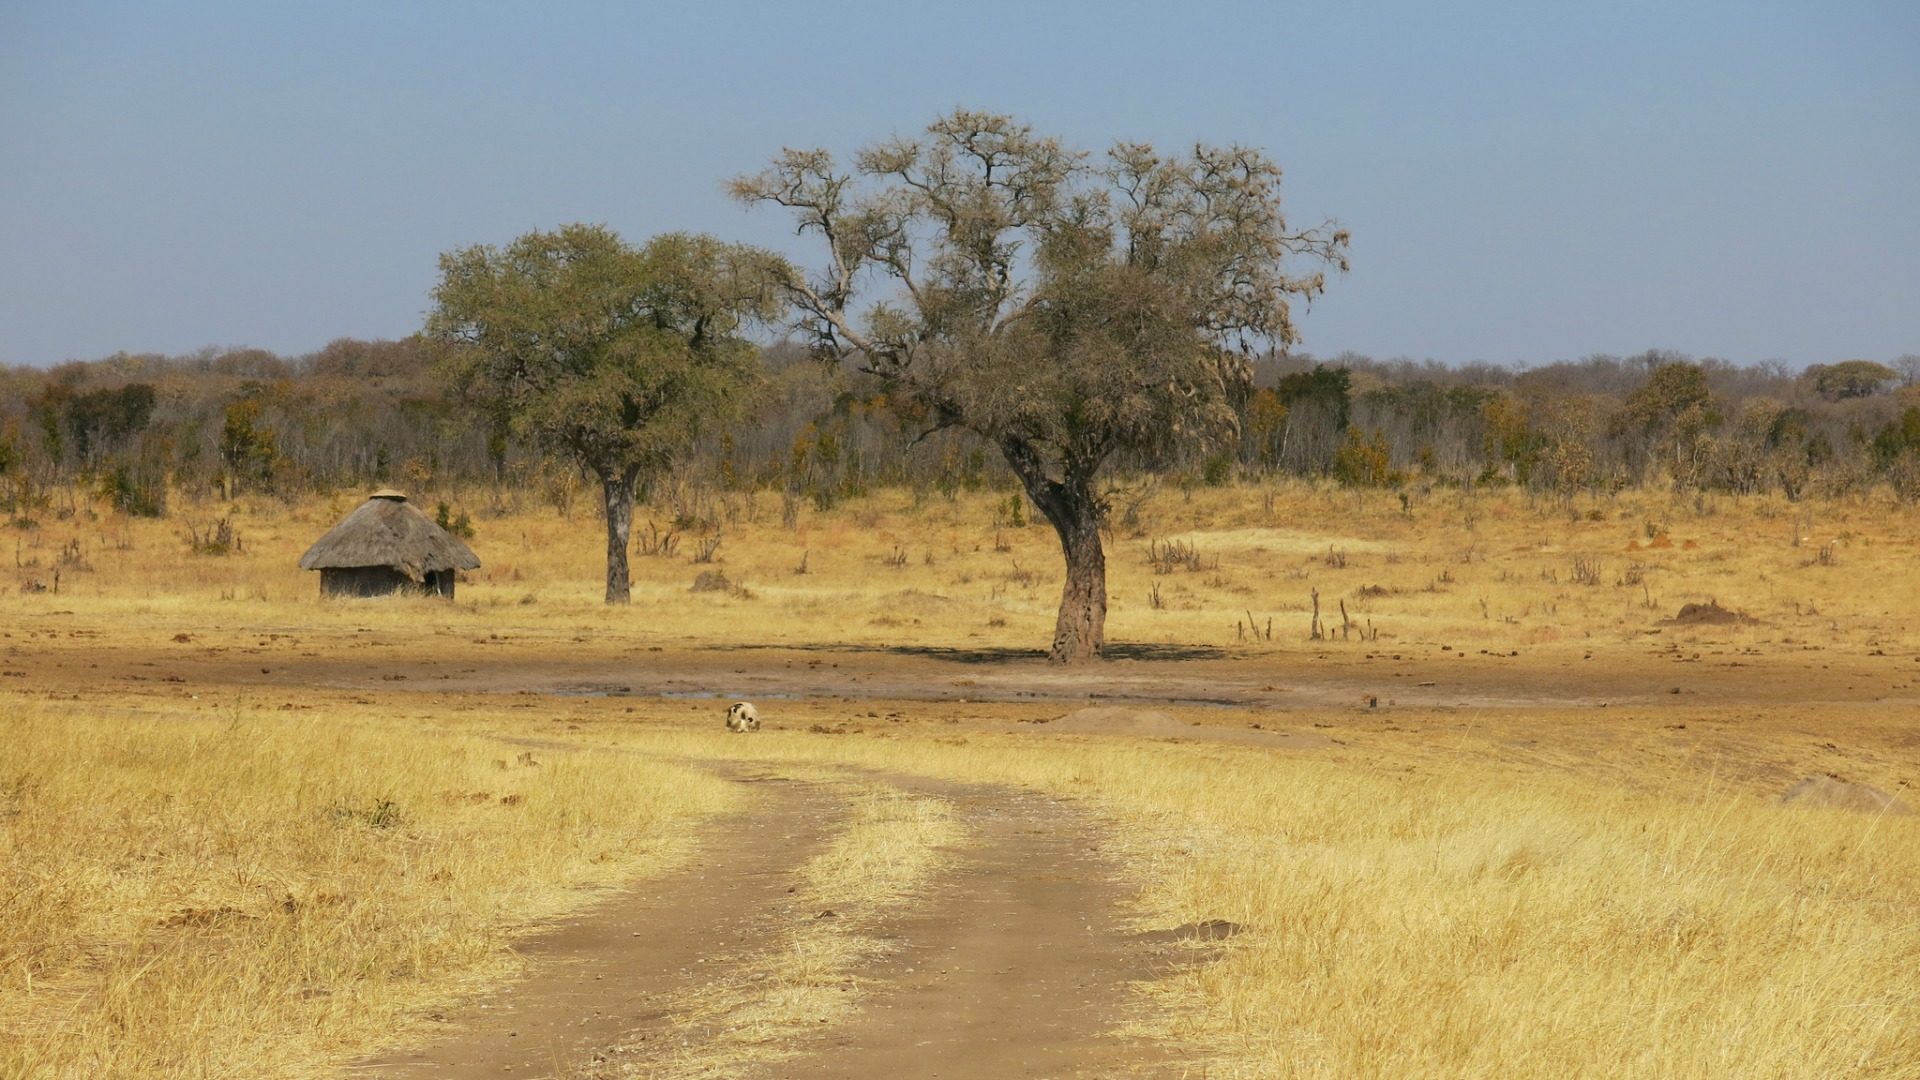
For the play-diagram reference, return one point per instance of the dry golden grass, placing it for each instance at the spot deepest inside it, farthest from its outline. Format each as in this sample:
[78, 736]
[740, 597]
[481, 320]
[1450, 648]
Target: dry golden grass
[263, 893]
[1522, 890]
[1494, 570]
[1435, 915]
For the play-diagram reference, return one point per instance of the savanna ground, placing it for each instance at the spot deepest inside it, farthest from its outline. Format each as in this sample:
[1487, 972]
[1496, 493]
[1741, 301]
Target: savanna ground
[1517, 820]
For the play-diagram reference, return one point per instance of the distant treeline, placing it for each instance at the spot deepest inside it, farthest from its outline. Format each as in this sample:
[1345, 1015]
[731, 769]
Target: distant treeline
[132, 429]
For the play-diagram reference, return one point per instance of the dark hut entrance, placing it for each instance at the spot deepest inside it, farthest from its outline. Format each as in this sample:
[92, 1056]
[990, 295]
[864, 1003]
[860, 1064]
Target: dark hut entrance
[386, 547]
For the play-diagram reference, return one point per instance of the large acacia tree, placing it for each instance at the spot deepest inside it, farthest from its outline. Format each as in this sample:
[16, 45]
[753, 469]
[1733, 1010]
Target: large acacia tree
[1065, 307]
[609, 354]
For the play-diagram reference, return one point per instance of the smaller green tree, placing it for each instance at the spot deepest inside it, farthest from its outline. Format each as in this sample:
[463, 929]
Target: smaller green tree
[1364, 460]
[248, 447]
[92, 424]
[1673, 411]
[1901, 436]
[609, 354]
[101, 421]
[1850, 379]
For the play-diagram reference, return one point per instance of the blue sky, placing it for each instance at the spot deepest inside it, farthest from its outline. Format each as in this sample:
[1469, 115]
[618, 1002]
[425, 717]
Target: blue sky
[1524, 182]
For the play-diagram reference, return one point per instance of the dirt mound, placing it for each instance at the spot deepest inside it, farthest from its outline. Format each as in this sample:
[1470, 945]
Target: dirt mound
[1838, 794]
[1709, 614]
[717, 581]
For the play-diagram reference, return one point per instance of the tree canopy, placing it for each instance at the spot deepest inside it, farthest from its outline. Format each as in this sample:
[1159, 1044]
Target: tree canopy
[1064, 306]
[1850, 379]
[610, 354]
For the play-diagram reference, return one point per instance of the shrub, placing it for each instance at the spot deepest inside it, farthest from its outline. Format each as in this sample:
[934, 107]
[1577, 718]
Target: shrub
[1364, 460]
[460, 525]
[214, 538]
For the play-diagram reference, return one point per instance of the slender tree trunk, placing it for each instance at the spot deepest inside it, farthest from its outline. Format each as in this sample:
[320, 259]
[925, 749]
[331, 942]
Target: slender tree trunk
[617, 488]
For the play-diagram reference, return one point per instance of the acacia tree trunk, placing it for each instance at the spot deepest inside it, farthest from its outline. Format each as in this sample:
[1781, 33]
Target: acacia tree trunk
[1072, 508]
[617, 488]
[1080, 631]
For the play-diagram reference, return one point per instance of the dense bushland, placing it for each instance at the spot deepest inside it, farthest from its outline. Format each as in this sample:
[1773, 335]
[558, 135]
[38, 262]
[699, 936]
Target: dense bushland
[131, 428]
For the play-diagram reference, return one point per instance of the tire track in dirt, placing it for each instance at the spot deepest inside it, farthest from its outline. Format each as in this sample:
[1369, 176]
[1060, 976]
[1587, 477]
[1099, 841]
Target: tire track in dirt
[1014, 966]
[612, 975]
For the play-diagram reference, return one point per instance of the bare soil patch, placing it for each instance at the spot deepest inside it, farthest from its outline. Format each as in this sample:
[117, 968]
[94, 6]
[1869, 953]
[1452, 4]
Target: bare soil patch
[524, 660]
[1709, 614]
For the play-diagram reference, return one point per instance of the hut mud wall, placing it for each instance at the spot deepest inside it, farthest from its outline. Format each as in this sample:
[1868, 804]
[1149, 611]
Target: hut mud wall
[381, 581]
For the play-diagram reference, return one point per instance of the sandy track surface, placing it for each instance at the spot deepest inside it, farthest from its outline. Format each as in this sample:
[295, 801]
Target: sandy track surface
[1014, 966]
[1016, 963]
[611, 976]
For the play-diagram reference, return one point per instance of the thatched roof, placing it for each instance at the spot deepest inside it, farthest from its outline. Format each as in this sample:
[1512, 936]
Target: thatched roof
[387, 531]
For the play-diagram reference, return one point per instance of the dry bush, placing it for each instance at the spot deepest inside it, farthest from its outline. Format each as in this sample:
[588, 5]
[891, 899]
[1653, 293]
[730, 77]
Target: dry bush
[1166, 556]
[652, 541]
[217, 537]
[707, 548]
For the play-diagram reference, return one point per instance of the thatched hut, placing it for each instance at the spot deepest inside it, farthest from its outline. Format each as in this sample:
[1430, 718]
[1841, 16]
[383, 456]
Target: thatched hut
[387, 546]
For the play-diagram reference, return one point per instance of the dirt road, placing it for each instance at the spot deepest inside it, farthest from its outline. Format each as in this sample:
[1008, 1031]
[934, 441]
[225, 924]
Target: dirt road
[1014, 964]
[1013, 968]
[612, 974]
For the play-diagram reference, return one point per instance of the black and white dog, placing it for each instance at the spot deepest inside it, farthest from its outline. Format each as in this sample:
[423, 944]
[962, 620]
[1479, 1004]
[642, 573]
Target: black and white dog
[742, 716]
